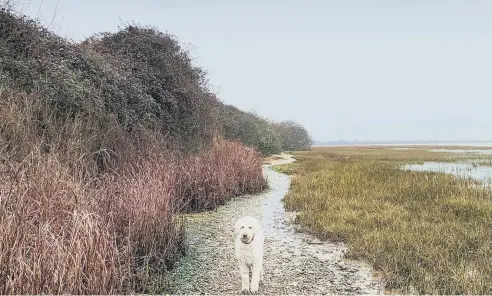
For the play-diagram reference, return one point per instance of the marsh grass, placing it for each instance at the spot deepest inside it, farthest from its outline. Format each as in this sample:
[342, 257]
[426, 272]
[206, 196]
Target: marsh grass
[425, 232]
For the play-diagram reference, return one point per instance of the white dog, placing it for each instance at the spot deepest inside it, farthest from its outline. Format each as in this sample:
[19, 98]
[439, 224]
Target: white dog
[249, 252]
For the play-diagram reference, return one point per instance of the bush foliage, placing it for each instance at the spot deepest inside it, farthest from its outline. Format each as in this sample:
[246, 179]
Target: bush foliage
[250, 129]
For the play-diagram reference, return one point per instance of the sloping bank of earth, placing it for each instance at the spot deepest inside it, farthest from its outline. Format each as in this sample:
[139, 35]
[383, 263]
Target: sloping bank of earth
[294, 263]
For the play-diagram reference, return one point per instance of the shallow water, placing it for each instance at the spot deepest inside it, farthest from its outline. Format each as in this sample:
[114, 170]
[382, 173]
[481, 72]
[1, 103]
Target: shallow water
[294, 262]
[464, 170]
[464, 151]
[469, 144]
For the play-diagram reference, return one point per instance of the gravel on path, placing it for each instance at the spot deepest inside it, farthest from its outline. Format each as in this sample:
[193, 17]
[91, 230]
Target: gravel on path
[294, 262]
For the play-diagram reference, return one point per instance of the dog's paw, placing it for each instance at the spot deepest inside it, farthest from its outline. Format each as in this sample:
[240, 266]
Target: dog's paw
[254, 292]
[245, 291]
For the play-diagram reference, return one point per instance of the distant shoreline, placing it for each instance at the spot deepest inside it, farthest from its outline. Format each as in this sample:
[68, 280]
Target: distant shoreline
[416, 143]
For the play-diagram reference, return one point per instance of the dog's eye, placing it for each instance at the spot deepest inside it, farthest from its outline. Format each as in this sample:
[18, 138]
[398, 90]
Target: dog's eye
[250, 227]
[242, 227]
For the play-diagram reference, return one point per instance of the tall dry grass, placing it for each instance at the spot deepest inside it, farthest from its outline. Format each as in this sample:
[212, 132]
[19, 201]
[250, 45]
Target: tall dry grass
[209, 179]
[51, 240]
[116, 233]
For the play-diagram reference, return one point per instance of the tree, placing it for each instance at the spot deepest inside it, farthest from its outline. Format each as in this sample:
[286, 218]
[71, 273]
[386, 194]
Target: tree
[293, 136]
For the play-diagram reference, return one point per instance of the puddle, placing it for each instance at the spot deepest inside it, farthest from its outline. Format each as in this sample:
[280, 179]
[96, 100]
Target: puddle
[464, 151]
[463, 170]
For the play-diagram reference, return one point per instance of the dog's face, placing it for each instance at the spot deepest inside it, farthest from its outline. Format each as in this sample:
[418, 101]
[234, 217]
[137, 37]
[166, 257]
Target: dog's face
[246, 228]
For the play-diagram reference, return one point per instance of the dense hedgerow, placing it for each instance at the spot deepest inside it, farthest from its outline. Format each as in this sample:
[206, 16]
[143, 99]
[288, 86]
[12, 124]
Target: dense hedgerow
[102, 145]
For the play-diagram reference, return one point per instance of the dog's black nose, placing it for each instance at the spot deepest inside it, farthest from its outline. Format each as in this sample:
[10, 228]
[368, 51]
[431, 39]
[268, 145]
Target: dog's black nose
[245, 235]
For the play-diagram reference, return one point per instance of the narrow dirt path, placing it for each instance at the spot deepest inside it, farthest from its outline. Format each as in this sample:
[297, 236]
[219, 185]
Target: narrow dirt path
[294, 263]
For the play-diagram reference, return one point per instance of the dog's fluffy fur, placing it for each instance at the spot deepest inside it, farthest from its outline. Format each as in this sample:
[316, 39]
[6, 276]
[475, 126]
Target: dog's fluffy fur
[249, 252]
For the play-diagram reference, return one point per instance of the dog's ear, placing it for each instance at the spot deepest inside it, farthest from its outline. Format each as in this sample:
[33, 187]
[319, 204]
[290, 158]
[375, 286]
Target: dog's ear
[237, 226]
[257, 225]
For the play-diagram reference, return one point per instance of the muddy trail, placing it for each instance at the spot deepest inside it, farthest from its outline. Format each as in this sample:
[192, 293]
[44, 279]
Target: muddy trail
[294, 262]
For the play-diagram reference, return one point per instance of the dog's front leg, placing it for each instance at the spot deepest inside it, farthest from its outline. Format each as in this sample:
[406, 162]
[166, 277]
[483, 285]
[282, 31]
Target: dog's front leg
[261, 275]
[255, 278]
[244, 278]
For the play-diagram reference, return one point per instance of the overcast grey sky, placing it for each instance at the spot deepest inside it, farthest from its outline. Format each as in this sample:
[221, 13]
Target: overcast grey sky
[346, 69]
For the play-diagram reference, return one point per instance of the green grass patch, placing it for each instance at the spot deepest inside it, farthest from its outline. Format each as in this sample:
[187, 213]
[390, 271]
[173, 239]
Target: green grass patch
[426, 232]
